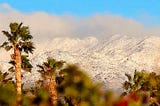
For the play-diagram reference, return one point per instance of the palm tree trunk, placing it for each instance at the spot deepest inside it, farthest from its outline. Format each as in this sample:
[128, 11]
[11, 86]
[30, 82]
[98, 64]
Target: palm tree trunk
[18, 62]
[53, 91]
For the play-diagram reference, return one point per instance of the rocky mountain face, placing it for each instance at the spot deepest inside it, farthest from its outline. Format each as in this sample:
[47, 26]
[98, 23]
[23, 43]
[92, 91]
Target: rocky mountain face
[105, 60]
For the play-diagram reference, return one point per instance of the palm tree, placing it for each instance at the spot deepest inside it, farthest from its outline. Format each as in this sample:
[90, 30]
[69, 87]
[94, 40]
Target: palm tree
[19, 39]
[48, 71]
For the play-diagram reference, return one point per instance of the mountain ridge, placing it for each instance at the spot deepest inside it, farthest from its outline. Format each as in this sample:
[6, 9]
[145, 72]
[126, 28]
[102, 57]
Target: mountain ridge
[105, 60]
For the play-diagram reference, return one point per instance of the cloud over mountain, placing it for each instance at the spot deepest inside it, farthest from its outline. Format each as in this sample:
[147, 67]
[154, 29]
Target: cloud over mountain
[44, 27]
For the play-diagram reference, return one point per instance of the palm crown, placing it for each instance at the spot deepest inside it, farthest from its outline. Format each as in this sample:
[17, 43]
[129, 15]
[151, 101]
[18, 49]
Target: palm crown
[49, 68]
[20, 36]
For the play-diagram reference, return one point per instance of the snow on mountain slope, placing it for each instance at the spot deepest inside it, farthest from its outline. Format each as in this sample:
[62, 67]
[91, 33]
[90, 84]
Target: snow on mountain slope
[105, 61]
[68, 44]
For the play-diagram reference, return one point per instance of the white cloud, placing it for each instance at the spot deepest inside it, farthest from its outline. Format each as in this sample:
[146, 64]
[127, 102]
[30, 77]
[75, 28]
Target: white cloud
[46, 26]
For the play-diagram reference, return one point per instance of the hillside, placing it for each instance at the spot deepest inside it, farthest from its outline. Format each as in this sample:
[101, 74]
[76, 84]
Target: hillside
[104, 60]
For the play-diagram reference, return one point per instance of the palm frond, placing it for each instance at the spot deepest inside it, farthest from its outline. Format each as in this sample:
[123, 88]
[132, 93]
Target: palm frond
[41, 67]
[45, 64]
[128, 77]
[59, 64]
[51, 61]
[7, 48]
[7, 34]
[41, 70]
[4, 78]
[4, 44]
[5, 75]
[26, 65]
[12, 39]
[7, 80]
[27, 46]
[25, 33]
[27, 69]
[19, 26]
[127, 85]
[14, 27]
[12, 62]
[11, 69]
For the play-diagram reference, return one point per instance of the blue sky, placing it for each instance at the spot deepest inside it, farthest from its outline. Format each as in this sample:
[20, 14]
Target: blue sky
[128, 8]
[136, 9]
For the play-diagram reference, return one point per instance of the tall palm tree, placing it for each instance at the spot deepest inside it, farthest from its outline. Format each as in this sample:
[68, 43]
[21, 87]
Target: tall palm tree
[19, 39]
[48, 71]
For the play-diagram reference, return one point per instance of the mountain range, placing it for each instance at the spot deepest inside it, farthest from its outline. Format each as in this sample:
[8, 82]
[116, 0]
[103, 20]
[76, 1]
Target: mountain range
[106, 60]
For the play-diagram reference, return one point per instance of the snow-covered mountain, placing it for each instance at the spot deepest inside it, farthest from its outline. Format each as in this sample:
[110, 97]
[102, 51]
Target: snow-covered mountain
[105, 60]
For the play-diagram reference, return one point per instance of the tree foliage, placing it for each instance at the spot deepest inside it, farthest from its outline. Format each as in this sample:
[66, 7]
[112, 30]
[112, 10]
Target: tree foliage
[146, 85]
[78, 89]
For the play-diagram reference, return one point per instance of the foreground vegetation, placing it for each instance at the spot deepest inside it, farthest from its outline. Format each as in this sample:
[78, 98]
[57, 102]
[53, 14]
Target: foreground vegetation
[63, 84]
